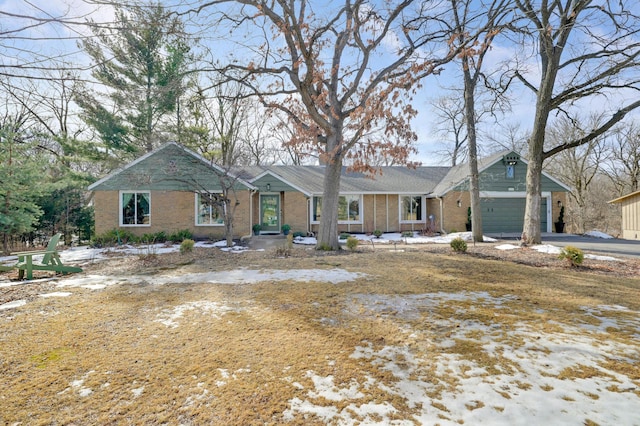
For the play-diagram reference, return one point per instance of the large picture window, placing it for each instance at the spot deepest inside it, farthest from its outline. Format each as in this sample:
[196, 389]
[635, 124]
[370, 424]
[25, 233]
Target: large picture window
[206, 212]
[411, 208]
[349, 210]
[135, 208]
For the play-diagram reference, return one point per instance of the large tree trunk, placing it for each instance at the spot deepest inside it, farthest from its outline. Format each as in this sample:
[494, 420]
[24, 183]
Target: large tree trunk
[531, 229]
[328, 233]
[474, 177]
[550, 58]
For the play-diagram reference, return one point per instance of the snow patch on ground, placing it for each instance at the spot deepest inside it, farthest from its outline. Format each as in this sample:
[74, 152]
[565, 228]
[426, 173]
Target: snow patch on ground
[12, 305]
[597, 234]
[56, 294]
[448, 389]
[211, 309]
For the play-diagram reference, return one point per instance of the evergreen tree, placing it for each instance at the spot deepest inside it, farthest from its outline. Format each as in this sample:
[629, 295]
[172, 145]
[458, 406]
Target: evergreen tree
[20, 184]
[141, 61]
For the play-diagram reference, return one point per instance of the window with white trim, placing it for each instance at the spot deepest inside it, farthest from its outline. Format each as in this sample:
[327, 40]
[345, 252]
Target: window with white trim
[349, 209]
[208, 213]
[135, 208]
[411, 208]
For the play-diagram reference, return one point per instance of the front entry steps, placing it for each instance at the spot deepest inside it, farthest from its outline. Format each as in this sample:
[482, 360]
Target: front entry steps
[266, 241]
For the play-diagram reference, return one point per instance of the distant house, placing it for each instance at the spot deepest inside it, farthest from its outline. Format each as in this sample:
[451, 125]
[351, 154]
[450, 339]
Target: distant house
[164, 191]
[630, 204]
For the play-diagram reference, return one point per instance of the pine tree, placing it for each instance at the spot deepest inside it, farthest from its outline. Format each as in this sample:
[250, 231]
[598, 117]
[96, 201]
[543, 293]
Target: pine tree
[141, 61]
[20, 184]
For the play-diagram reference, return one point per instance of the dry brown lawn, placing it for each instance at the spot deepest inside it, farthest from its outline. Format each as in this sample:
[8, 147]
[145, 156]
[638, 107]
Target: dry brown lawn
[405, 342]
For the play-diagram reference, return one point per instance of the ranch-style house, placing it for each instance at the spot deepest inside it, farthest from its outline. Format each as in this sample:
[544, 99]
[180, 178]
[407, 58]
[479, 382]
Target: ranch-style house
[168, 190]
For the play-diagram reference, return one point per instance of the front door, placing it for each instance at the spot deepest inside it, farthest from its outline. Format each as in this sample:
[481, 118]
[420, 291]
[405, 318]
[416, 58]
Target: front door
[270, 213]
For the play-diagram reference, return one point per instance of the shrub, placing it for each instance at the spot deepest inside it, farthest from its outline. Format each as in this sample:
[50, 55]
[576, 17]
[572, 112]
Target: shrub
[573, 255]
[377, 233]
[158, 237]
[344, 235]
[285, 250]
[180, 236]
[298, 234]
[186, 246]
[458, 245]
[114, 237]
[407, 234]
[352, 243]
[148, 252]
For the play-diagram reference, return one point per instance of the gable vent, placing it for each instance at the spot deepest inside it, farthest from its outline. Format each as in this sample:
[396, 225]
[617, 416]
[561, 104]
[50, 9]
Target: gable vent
[511, 159]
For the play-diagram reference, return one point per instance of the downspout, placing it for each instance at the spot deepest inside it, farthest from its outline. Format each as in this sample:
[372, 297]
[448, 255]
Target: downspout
[442, 231]
[309, 215]
[252, 192]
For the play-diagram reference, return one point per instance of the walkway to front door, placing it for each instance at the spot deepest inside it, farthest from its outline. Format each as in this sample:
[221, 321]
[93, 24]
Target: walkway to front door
[270, 213]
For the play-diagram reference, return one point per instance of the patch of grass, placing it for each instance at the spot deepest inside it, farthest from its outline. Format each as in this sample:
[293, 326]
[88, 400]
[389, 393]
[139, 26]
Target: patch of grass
[590, 395]
[48, 358]
[581, 372]
[244, 364]
[474, 405]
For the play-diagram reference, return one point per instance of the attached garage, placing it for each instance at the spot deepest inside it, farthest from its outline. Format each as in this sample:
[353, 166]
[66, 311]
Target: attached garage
[506, 214]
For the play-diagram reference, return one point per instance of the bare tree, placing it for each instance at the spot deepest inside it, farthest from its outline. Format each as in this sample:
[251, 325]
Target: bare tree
[623, 165]
[450, 126]
[37, 38]
[508, 136]
[226, 126]
[586, 50]
[338, 73]
[578, 167]
[486, 24]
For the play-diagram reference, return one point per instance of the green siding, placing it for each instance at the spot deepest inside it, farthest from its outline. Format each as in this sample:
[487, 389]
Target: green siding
[275, 184]
[168, 169]
[494, 178]
[507, 215]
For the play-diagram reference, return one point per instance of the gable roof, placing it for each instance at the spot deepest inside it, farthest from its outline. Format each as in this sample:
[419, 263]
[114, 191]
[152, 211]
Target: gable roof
[459, 173]
[171, 149]
[624, 197]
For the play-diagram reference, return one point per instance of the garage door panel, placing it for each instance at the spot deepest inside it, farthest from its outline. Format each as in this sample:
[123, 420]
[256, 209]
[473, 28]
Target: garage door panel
[507, 214]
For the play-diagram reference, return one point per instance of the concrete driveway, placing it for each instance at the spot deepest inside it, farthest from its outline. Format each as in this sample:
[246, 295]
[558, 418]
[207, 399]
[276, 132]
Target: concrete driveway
[608, 246]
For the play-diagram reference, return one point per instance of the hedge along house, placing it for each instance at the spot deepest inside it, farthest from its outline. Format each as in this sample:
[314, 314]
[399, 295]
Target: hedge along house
[163, 191]
[630, 207]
